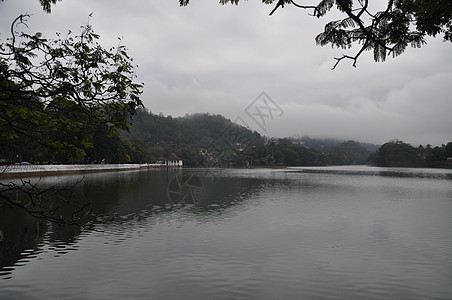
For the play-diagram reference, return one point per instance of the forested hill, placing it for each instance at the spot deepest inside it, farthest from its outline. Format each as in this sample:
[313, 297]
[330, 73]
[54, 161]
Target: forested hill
[326, 144]
[213, 140]
[188, 136]
[199, 130]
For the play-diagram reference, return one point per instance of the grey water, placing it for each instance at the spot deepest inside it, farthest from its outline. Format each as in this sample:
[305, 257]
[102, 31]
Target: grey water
[296, 233]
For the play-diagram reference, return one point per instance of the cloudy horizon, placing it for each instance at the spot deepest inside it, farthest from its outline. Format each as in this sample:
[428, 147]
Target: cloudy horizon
[207, 57]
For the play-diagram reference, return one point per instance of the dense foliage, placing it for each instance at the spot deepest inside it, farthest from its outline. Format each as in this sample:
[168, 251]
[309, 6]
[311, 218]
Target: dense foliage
[55, 94]
[400, 154]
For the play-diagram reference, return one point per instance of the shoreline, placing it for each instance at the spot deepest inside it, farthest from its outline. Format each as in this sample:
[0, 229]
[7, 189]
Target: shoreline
[20, 171]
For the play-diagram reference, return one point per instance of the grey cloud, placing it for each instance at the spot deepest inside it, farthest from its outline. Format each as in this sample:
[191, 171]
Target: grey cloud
[212, 58]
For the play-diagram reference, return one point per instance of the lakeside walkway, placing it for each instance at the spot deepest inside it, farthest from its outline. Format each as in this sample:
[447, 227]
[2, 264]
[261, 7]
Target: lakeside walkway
[17, 171]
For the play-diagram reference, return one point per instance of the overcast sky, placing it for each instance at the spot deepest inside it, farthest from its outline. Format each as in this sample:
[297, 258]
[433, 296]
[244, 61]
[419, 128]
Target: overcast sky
[207, 57]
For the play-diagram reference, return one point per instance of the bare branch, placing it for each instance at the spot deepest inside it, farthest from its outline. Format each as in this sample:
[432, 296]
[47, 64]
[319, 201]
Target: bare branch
[47, 203]
[354, 58]
[305, 7]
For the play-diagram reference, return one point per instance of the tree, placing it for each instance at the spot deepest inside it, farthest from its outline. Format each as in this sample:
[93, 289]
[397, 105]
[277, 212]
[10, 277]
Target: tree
[436, 157]
[55, 93]
[398, 154]
[449, 149]
[386, 31]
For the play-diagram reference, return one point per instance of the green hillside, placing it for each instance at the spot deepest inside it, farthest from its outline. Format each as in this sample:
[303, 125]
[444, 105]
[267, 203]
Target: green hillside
[212, 140]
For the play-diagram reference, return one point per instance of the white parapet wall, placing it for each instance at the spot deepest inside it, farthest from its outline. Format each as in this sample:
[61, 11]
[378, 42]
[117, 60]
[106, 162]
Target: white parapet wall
[43, 170]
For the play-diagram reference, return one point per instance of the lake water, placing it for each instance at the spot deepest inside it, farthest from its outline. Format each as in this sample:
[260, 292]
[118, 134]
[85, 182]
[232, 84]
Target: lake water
[296, 233]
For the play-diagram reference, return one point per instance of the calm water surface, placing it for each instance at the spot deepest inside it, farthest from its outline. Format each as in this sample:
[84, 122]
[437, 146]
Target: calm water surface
[295, 233]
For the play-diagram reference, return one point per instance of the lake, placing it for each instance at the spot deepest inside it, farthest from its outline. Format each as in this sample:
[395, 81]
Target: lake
[352, 232]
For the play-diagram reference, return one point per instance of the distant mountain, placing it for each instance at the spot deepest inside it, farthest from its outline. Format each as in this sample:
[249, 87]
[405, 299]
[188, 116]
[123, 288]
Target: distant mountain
[339, 152]
[371, 148]
[326, 144]
[213, 140]
[194, 138]
[322, 145]
[199, 130]
[348, 153]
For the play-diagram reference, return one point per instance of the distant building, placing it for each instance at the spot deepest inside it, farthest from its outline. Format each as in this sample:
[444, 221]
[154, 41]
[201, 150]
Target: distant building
[173, 161]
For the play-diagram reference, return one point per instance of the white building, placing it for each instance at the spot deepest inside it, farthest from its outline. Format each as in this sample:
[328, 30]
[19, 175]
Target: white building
[173, 161]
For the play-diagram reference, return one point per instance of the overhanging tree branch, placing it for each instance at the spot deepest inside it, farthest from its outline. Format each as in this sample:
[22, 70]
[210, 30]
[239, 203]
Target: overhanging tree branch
[46, 203]
[386, 32]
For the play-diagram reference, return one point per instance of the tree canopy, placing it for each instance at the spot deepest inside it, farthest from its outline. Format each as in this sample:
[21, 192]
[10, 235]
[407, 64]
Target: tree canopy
[385, 31]
[399, 154]
[54, 91]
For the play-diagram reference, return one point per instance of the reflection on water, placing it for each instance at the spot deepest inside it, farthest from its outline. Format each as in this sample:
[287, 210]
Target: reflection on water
[296, 233]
